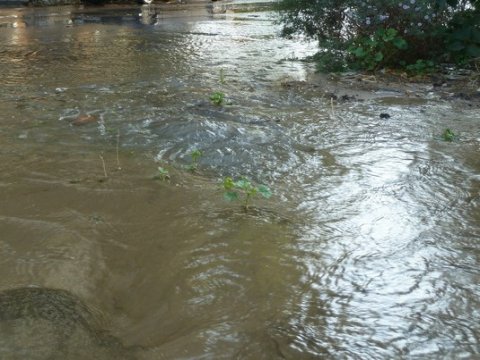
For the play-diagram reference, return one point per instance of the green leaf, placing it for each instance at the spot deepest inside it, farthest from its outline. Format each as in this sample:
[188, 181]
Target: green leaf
[359, 52]
[400, 43]
[476, 35]
[473, 50]
[462, 34]
[230, 195]
[162, 170]
[191, 167]
[217, 98]
[243, 184]
[228, 183]
[441, 3]
[371, 42]
[196, 154]
[264, 191]
[456, 46]
[380, 32]
[251, 191]
[163, 174]
[448, 135]
[390, 34]
[378, 56]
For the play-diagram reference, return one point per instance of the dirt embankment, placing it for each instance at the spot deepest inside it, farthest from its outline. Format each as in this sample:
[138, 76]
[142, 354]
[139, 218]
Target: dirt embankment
[461, 86]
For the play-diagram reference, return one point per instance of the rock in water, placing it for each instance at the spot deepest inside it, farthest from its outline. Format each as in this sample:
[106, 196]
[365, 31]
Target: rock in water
[41, 324]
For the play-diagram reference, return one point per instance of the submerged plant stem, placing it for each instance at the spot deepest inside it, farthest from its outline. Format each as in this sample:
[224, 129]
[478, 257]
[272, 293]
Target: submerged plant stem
[118, 145]
[245, 204]
[104, 167]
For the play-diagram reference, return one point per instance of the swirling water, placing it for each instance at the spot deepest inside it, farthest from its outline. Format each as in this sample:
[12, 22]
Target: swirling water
[368, 250]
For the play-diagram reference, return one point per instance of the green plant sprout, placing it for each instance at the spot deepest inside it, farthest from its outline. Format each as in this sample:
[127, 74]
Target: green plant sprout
[217, 98]
[195, 155]
[222, 76]
[243, 190]
[162, 174]
[448, 135]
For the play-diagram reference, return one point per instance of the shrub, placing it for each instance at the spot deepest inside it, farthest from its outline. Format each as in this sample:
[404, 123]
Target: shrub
[387, 33]
[463, 36]
[383, 47]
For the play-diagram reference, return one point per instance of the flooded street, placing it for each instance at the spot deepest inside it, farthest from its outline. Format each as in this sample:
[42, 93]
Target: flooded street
[368, 249]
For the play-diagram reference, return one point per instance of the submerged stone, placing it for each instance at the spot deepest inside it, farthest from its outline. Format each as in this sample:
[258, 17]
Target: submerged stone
[43, 323]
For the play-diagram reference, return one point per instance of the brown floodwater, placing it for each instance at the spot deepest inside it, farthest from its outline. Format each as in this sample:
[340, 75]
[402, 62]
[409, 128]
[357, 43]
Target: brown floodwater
[369, 248]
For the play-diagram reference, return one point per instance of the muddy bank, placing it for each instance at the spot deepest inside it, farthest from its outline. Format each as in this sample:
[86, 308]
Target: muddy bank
[462, 86]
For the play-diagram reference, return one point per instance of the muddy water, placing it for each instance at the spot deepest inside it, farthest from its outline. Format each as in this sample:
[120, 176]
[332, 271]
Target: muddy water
[369, 248]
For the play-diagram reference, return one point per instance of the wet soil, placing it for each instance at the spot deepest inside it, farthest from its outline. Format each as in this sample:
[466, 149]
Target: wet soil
[461, 86]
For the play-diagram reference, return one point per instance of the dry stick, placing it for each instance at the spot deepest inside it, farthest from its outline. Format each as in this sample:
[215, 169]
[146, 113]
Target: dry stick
[118, 144]
[104, 167]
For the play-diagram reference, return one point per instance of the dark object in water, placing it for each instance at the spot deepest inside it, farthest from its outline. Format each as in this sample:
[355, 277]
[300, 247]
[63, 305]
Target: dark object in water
[84, 119]
[41, 323]
[385, 116]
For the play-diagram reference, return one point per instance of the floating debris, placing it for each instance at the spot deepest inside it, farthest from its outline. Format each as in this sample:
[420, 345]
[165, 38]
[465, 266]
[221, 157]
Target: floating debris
[84, 119]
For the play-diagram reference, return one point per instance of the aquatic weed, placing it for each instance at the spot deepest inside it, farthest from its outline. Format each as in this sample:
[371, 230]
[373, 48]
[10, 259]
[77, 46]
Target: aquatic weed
[222, 76]
[162, 174]
[243, 190]
[448, 135]
[217, 98]
[195, 156]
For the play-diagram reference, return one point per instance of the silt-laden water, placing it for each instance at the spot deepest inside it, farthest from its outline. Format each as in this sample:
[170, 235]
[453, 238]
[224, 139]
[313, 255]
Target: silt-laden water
[369, 248]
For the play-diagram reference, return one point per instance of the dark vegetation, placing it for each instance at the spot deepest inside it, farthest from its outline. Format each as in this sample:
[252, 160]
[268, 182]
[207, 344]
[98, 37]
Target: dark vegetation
[416, 36]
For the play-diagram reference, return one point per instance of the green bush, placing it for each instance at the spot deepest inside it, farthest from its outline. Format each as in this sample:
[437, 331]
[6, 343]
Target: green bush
[372, 34]
[463, 36]
[383, 47]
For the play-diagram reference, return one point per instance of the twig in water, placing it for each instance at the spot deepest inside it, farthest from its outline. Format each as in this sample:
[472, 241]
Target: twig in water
[222, 76]
[104, 167]
[331, 103]
[118, 144]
